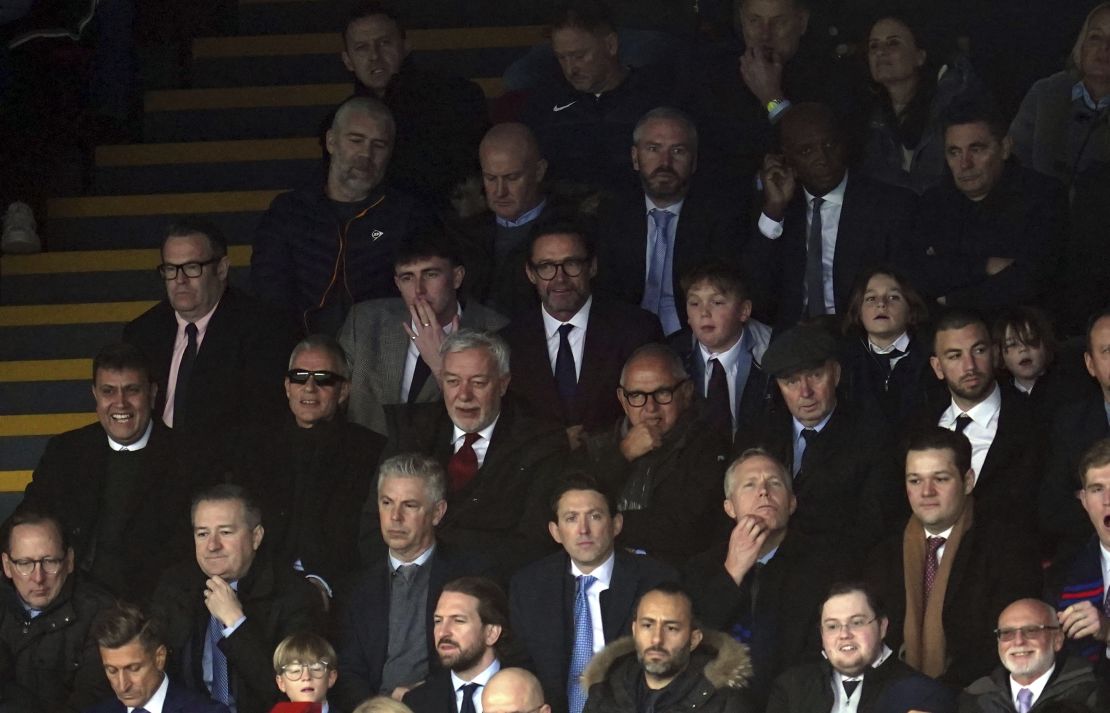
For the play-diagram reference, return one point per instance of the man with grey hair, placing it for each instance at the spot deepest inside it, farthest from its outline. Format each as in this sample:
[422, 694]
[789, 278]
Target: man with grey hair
[662, 462]
[656, 234]
[499, 461]
[385, 628]
[312, 473]
[764, 584]
[298, 263]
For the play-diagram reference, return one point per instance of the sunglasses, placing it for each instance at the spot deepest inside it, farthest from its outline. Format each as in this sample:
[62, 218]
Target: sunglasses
[322, 378]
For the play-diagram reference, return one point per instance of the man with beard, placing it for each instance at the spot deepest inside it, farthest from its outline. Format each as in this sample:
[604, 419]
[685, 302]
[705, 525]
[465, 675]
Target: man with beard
[1006, 449]
[669, 663]
[656, 235]
[1034, 674]
[471, 623]
[298, 263]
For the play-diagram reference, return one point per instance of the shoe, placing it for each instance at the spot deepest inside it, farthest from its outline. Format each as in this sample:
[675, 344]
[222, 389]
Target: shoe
[19, 231]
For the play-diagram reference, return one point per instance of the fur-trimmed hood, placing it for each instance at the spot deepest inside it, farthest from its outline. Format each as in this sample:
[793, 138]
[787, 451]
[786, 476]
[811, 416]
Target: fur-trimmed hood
[731, 666]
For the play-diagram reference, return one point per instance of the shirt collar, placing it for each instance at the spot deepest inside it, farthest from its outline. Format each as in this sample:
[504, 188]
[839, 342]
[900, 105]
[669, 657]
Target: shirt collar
[729, 357]
[1037, 685]
[764, 559]
[580, 319]
[1079, 92]
[525, 218]
[675, 208]
[158, 701]
[447, 328]
[1105, 552]
[202, 323]
[603, 572]
[481, 679]
[137, 445]
[945, 534]
[423, 558]
[902, 343]
[983, 412]
[799, 426]
[835, 196]
[485, 433]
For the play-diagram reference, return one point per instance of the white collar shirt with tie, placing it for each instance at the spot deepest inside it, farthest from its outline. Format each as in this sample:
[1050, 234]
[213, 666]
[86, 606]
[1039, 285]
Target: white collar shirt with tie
[577, 336]
[603, 576]
[480, 446]
[981, 430]
[180, 342]
[157, 701]
[481, 679]
[842, 702]
[729, 360]
[1036, 687]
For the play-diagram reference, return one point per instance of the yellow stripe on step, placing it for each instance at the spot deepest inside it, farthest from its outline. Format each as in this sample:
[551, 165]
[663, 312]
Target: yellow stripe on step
[208, 152]
[161, 204]
[331, 42]
[45, 424]
[46, 370]
[14, 481]
[100, 261]
[89, 313]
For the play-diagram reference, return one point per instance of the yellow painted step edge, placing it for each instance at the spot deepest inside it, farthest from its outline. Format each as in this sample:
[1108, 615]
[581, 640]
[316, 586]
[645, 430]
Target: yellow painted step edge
[91, 313]
[45, 424]
[100, 261]
[46, 370]
[332, 43]
[244, 150]
[14, 481]
[161, 204]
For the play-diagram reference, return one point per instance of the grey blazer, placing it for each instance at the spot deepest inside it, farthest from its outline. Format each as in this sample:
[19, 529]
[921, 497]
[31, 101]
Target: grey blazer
[376, 344]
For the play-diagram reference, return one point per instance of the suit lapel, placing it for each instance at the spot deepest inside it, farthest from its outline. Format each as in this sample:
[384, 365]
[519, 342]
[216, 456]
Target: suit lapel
[533, 351]
[1006, 437]
[394, 350]
[637, 261]
[617, 601]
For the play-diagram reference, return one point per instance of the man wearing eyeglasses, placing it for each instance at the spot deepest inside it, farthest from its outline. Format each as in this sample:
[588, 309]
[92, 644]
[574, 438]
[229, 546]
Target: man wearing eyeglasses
[664, 464]
[313, 473]
[218, 355]
[568, 353]
[947, 575]
[859, 672]
[1035, 673]
[50, 661]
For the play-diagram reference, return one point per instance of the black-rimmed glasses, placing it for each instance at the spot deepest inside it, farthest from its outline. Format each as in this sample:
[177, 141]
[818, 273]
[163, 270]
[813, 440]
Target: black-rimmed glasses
[572, 267]
[169, 270]
[661, 396]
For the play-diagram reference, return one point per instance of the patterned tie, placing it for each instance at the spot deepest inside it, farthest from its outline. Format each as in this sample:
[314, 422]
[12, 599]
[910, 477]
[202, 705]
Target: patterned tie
[583, 643]
[718, 409]
[656, 287]
[932, 563]
[468, 690]
[463, 465]
[850, 687]
[184, 371]
[1024, 700]
[566, 378]
[1106, 603]
[221, 692]
[962, 422]
[815, 271]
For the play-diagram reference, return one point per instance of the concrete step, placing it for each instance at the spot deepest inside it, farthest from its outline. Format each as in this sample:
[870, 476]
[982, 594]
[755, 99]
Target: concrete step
[277, 16]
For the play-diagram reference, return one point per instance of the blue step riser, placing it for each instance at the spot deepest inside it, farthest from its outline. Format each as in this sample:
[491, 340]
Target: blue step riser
[22, 397]
[143, 231]
[56, 341]
[225, 124]
[68, 288]
[21, 452]
[190, 178]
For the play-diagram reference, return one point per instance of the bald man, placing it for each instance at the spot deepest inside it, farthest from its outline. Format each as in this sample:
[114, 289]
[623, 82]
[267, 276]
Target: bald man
[513, 690]
[821, 224]
[1034, 673]
[495, 246]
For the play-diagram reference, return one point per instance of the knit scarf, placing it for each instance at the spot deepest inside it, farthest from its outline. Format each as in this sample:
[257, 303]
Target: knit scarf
[924, 647]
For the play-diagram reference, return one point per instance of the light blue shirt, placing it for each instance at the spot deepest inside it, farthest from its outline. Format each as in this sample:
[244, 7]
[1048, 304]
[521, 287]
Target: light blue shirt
[525, 218]
[206, 657]
[800, 443]
[1079, 92]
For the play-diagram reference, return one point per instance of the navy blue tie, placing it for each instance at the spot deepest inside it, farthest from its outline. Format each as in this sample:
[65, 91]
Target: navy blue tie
[221, 691]
[184, 371]
[566, 378]
[468, 697]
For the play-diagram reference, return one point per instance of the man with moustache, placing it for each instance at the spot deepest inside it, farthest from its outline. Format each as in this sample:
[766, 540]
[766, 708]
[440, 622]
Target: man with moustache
[655, 235]
[1034, 674]
[471, 629]
[297, 262]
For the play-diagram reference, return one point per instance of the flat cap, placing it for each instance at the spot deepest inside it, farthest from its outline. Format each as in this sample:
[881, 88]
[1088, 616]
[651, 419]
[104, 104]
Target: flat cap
[802, 347]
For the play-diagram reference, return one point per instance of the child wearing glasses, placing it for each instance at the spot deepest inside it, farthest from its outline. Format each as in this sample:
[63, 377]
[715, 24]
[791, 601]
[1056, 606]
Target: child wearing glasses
[305, 669]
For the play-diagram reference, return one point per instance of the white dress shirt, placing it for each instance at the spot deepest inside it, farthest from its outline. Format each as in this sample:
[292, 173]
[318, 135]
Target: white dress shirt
[421, 559]
[604, 576]
[729, 361]
[981, 430]
[946, 534]
[480, 446]
[830, 225]
[481, 679]
[902, 343]
[137, 445]
[1104, 555]
[1036, 687]
[842, 703]
[577, 336]
[157, 701]
[413, 354]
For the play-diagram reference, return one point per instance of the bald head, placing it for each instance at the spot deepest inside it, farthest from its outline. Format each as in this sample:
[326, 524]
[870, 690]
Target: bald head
[512, 170]
[513, 690]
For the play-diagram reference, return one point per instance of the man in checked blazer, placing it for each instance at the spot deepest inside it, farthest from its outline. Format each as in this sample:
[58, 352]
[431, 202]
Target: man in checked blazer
[394, 343]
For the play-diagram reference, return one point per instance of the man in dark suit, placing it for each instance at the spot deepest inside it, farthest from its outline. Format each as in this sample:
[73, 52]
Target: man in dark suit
[859, 671]
[134, 657]
[217, 355]
[814, 241]
[499, 461]
[226, 611]
[116, 485]
[385, 628]
[843, 465]
[313, 474]
[947, 576]
[471, 628]
[570, 351]
[655, 235]
[763, 585]
[1006, 446]
[1077, 426]
[394, 343]
[555, 601]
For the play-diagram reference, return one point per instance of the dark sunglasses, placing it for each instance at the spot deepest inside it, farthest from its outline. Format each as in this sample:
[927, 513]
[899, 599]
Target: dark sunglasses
[322, 378]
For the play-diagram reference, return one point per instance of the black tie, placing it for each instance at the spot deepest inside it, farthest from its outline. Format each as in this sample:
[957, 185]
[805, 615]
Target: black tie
[850, 687]
[566, 379]
[468, 697]
[962, 422]
[886, 360]
[808, 434]
[718, 409]
[815, 273]
[184, 371]
[419, 375]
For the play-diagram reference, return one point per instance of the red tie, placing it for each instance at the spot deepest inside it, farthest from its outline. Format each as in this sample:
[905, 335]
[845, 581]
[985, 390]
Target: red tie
[463, 466]
[932, 563]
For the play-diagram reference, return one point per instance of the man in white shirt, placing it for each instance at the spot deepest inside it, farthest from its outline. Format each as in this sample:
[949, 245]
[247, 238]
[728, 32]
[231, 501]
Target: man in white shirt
[472, 616]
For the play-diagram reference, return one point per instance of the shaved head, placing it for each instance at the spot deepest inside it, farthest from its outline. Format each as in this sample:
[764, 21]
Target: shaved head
[512, 170]
[511, 137]
[513, 690]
